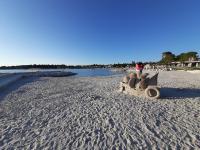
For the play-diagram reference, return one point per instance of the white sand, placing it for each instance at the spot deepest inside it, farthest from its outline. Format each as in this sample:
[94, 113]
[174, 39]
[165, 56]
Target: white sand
[89, 113]
[194, 71]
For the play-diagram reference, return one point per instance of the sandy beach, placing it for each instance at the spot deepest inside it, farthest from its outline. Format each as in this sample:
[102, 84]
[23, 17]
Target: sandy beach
[90, 113]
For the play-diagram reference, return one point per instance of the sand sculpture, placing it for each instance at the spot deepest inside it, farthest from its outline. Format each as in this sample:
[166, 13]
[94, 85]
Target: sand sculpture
[145, 86]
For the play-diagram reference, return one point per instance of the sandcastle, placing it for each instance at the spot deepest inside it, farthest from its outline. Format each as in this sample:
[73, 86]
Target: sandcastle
[145, 86]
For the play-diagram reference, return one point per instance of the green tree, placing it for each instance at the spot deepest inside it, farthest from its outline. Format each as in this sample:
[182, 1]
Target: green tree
[167, 57]
[187, 56]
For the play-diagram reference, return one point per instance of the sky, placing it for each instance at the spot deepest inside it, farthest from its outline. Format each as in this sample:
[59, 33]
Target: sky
[84, 32]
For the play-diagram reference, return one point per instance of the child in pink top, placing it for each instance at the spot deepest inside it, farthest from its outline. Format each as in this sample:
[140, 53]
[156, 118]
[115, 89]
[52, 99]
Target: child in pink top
[139, 68]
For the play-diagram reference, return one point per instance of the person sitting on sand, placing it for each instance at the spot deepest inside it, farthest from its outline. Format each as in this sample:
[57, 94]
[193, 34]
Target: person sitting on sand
[133, 78]
[139, 68]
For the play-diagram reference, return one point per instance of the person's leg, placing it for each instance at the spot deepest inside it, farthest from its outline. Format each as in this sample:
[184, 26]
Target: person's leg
[139, 73]
[132, 75]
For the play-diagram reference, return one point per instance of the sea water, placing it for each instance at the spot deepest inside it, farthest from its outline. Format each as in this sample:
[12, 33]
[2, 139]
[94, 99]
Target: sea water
[80, 72]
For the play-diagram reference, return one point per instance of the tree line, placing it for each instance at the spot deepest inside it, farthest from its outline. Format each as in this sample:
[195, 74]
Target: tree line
[49, 66]
[168, 57]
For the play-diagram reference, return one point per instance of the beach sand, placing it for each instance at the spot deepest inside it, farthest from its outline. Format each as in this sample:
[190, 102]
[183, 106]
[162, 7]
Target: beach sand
[90, 113]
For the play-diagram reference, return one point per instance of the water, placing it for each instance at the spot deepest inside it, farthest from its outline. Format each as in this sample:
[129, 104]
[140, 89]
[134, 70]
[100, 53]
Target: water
[94, 72]
[80, 72]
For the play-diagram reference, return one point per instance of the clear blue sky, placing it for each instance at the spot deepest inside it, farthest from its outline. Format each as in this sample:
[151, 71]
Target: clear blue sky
[96, 31]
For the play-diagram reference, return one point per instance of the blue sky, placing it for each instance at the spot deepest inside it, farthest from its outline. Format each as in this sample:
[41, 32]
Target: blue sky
[96, 31]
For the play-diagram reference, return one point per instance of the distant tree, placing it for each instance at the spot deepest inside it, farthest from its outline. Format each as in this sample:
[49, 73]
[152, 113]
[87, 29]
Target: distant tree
[121, 65]
[167, 57]
[133, 63]
[189, 56]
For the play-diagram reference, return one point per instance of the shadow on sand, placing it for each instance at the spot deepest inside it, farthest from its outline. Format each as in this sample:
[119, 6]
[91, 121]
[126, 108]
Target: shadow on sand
[15, 85]
[179, 93]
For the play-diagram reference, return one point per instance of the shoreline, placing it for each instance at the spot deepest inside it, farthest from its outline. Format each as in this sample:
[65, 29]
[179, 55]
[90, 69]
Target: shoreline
[9, 78]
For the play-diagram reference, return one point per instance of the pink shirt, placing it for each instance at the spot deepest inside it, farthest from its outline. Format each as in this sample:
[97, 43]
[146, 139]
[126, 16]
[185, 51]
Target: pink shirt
[139, 67]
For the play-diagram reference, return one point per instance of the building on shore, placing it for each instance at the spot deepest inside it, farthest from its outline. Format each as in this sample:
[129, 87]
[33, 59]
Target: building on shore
[194, 63]
[174, 65]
